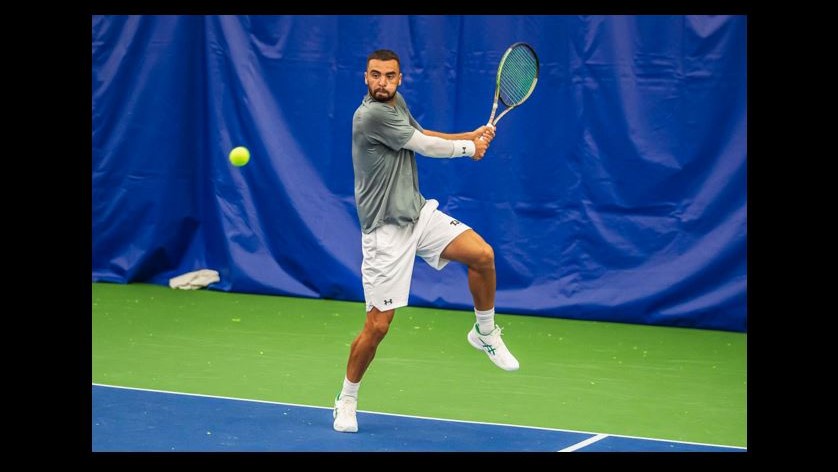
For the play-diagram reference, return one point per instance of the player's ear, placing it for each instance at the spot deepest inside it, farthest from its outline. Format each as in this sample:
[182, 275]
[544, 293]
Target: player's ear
[365, 79]
[400, 79]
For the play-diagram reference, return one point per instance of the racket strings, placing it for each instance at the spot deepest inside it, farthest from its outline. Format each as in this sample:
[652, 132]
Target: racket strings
[517, 75]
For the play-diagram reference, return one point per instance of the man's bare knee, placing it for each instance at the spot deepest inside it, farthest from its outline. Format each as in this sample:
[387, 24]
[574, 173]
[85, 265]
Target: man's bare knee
[380, 328]
[377, 327]
[485, 258]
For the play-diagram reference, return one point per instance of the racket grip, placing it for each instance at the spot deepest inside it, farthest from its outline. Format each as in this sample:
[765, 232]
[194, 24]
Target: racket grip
[487, 124]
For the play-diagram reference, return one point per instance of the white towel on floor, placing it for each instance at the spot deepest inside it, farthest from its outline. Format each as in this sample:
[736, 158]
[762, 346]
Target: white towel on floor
[194, 280]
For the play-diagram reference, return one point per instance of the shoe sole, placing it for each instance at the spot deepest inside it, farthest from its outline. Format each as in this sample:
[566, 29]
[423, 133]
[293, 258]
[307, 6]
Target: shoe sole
[350, 430]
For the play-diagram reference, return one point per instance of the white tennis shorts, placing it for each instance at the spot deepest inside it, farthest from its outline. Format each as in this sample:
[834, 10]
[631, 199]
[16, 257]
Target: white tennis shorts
[390, 250]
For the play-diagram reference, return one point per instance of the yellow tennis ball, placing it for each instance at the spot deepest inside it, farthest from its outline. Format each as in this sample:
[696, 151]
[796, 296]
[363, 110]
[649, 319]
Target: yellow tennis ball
[239, 156]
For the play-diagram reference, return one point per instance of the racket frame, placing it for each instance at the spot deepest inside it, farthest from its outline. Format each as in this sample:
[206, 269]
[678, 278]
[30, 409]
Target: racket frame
[492, 120]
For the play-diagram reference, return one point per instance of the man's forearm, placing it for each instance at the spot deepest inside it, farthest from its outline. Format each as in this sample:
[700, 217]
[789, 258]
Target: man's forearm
[437, 134]
[434, 146]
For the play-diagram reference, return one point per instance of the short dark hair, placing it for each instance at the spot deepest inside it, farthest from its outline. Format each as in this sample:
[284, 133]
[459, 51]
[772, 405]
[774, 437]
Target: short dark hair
[384, 55]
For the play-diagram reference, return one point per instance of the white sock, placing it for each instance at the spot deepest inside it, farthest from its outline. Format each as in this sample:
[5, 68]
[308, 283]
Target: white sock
[349, 388]
[485, 320]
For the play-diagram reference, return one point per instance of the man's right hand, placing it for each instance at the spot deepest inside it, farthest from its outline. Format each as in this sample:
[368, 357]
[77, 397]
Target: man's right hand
[481, 142]
[480, 148]
[486, 131]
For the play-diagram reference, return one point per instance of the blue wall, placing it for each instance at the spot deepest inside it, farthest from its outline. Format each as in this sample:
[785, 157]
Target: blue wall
[616, 193]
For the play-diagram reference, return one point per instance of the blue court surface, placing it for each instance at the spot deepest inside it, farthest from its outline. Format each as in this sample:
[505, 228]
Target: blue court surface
[126, 419]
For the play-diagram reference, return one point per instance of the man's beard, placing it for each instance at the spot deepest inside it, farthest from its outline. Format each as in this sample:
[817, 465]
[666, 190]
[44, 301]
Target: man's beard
[381, 95]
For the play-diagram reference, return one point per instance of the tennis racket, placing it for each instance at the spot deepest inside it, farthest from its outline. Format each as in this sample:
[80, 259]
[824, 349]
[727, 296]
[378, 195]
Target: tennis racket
[517, 76]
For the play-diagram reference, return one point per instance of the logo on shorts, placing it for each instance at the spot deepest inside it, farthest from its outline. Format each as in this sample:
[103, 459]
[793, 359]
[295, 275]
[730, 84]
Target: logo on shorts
[454, 222]
[388, 302]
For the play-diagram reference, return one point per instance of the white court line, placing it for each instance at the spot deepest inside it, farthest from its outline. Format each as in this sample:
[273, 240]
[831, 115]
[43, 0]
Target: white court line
[414, 416]
[584, 443]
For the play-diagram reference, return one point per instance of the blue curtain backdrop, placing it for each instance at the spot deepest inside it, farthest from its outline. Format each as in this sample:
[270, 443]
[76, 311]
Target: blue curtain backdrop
[616, 193]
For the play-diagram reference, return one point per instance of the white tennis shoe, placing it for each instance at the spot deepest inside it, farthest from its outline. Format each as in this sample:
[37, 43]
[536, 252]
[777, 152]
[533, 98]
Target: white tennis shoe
[344, 414]
[494, 347]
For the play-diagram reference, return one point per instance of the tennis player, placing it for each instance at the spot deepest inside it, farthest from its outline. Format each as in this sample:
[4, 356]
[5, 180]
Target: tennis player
[398, 224]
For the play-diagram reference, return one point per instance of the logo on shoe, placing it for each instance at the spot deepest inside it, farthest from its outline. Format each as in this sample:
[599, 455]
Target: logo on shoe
[488, 347]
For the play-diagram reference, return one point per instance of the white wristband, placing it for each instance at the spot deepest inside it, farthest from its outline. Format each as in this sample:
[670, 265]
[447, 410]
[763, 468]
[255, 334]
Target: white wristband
[463, 148]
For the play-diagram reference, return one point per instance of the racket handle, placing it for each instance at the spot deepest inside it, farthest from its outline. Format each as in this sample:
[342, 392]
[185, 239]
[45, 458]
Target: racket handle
[494, 110]
[487, 124]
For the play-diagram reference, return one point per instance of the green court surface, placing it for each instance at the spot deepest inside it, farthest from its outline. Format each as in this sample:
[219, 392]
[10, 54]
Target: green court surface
[623, 379]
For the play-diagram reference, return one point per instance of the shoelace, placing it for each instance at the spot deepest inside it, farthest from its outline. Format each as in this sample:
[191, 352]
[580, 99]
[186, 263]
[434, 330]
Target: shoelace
[492, 335]
[349, 407]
